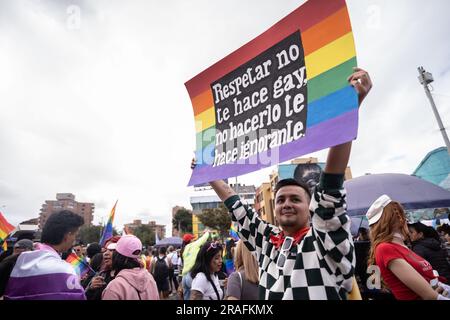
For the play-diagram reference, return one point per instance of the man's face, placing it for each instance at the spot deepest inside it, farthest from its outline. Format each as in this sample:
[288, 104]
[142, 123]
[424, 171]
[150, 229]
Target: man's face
[292, 207]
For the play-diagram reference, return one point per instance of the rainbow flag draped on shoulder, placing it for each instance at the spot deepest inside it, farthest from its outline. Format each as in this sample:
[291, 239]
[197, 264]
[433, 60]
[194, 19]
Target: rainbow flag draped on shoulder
[5, 229]
[108, 230]
[43, 275]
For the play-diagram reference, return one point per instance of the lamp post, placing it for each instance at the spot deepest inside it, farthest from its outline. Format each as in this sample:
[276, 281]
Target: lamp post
[425, 79]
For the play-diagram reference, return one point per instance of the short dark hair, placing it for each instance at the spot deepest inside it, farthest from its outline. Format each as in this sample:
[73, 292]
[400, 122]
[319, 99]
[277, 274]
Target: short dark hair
[120, 262]
[162, 250]
[292, 182]
[58, 225]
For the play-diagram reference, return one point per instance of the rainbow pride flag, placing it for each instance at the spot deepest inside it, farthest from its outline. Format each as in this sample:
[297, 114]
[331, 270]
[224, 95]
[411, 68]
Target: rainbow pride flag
[227, 258]
[5, 229]
[81, 266]
[233, 232]
[319, 39]
[108, 230]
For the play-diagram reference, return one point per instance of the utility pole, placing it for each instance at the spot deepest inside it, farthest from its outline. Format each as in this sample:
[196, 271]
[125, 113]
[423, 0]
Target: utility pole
[425, 79]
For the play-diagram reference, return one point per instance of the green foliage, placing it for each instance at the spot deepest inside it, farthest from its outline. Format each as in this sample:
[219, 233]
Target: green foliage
[90, 234]
[145, 234]
[217, 219]
[183, 221]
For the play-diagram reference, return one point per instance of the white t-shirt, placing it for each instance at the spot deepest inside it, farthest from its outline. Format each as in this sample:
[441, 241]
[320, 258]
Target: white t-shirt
[174, 259]
[201, 284]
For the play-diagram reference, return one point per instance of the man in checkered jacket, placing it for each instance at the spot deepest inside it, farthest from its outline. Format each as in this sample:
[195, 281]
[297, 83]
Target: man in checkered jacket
[311, 257]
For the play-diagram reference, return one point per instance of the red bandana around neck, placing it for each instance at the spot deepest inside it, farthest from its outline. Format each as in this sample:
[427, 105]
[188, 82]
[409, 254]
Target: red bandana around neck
[278, 240]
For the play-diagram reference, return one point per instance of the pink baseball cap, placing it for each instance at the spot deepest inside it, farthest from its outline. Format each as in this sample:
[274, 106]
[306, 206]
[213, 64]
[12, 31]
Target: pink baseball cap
[129, 246]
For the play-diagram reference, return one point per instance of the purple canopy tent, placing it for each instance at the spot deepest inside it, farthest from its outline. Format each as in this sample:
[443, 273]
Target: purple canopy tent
[171, 241]
[412, 192]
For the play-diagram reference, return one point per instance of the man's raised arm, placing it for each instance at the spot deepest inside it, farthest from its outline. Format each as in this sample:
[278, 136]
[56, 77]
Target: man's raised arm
[338, 156]
[223, 190]
[329, 202]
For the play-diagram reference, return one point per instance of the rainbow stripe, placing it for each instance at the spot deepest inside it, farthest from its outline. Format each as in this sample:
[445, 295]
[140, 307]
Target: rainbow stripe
[80, 265]
[108, 230]
[330, 56]
[5, 229]
[234, 233]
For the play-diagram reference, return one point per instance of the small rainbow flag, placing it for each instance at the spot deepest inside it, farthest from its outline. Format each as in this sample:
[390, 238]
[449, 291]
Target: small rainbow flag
[80, 265]
[108, 230]
[5, 229]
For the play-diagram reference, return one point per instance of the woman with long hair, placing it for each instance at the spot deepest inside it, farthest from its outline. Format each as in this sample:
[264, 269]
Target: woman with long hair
[243, 283]
[407, 274]
[132, 281]
[425, 242]
[205, 282]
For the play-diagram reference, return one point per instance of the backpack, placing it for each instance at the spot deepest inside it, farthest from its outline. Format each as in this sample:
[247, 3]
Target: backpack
[161, 271]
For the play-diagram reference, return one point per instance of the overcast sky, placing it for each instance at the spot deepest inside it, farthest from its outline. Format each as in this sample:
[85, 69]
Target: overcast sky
[92, 96]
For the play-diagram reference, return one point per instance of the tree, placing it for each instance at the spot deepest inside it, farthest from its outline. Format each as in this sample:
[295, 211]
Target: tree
[218, 219]
[182, 221]
[90, 234]
[145, 234]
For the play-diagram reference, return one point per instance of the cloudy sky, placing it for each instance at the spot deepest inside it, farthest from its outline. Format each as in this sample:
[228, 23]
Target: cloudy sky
[92, 96]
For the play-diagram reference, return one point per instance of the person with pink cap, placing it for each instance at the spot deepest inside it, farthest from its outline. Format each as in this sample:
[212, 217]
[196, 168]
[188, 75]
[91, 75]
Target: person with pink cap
[132, 282]
[409, 276]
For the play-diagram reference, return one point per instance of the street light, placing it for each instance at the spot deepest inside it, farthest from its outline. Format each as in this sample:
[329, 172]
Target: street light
[425, 79]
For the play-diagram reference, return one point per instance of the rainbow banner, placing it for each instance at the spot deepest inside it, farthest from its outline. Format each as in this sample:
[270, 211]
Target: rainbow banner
[80, 265]
[282, 95]
[5, 229]
[108, 230]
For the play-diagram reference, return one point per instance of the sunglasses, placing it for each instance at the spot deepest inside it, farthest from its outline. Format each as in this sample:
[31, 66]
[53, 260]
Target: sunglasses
[282, 257]
[213, 245]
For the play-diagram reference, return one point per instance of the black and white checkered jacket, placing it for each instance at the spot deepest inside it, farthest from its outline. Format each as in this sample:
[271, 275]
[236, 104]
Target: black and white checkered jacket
[321, 266]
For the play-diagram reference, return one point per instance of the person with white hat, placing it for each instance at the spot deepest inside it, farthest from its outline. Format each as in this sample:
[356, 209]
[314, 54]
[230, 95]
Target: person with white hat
[409, 276]
[132, 281]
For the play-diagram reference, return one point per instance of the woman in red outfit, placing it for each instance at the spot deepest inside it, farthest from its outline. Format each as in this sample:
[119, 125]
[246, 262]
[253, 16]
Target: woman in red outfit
[405, 273]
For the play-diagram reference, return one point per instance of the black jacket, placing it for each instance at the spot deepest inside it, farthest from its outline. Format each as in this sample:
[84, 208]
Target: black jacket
[96, 294]
[430, 249]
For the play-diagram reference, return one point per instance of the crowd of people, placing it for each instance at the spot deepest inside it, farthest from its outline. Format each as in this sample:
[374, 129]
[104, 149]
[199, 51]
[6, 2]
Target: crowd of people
[310, 255]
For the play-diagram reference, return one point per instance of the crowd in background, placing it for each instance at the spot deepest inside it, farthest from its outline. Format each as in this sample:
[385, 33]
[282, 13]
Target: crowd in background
[199, 270]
